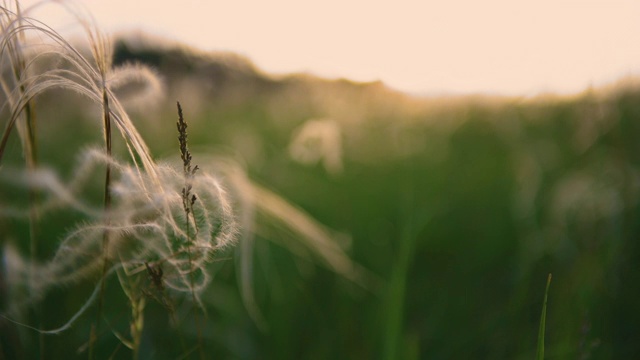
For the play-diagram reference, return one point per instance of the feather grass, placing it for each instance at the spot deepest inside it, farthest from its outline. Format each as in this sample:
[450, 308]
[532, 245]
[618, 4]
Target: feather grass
[26, 130]
[177, 217]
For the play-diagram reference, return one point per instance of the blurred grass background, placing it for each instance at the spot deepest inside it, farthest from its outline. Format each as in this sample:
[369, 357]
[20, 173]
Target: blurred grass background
[460, 205]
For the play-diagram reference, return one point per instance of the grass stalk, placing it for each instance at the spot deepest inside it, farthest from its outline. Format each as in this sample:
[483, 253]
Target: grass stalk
[28, 137]
[543, 320]
[107, 207]
[195, 301]
[137, 301]
[397, 293]
[397, 287]
[34, 218]
[137, 324]
[188, 200]
[156, 273]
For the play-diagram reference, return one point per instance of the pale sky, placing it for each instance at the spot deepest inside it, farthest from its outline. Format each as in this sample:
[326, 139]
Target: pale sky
[509, 47]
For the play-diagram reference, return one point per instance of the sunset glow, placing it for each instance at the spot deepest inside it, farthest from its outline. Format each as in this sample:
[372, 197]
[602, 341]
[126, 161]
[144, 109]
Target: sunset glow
[423, 47]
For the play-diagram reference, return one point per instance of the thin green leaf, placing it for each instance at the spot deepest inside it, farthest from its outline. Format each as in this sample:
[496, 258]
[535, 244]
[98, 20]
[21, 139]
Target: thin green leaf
[543, 319]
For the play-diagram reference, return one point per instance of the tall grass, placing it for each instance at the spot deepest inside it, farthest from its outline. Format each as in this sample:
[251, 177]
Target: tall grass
[26, 127]
[543, 323]
[158, 224]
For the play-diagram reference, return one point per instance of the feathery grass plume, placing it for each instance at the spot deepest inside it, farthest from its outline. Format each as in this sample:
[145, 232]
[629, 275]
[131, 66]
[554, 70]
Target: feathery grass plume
[146, 222]
[89, 77]
[12, 87]
[147, 217]
[76, 258]
[66, 68]
[149, 226]
[154, 220]
[27, 126]
[137, 87]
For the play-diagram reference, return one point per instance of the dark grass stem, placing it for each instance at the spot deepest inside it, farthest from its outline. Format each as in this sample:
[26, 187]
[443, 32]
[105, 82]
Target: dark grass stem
[107, 207]
[188, 200]
[34, 217]
[543, 321]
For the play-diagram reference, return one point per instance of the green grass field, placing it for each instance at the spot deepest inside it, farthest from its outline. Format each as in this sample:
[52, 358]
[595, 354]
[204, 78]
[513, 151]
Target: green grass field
[452, 212]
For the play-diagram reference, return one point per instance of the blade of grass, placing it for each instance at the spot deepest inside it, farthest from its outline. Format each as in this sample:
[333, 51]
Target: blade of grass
[543, 320]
